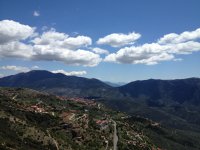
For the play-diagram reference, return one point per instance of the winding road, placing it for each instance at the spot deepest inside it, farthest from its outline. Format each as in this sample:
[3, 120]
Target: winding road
[72, 116]
[115, 137]
[106, 145]
[54, 141]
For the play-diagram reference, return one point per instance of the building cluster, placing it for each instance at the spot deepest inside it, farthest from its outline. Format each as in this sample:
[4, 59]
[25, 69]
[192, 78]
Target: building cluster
[37, 109]
[79, 100]
[103, 124]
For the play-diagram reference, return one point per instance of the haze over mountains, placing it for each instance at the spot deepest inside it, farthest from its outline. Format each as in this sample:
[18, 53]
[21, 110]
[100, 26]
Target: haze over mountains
[115, 84]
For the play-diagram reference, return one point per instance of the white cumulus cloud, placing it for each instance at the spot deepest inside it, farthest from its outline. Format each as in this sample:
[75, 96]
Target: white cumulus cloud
[179, 38]
[50, 45]
[14, 31]
[100, 51]
[15, 68]
[166, 48]
[21, 41]
[36, 13]
[146, 54]
[119, 39]
[76, 42]
[57, 39]
[55, 46]
[35, 67]
[71, 73]
[69, 57]
[16, 49]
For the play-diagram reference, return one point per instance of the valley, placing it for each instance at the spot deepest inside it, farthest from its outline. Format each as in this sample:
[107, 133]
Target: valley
[163, 111]
[35, 120]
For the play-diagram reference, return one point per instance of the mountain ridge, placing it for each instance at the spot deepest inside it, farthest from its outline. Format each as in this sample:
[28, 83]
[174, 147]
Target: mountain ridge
[180, 90]
[59, 84]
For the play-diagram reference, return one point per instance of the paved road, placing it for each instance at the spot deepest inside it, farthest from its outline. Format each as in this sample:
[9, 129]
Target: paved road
[72, 116]
[106, 145]
[54, 141]
[115, 137]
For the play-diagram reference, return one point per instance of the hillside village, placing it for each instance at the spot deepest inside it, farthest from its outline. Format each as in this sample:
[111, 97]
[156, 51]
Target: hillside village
[77, 121]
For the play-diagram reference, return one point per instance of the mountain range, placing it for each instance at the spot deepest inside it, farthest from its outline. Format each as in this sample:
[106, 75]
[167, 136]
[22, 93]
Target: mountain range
[60, 84]
[173, 103]
[156, 92]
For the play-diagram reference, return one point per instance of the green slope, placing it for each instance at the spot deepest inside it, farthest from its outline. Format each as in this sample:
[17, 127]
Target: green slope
[33, 120]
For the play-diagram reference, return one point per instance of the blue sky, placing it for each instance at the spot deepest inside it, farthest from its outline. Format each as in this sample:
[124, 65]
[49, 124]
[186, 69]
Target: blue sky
[112, 40]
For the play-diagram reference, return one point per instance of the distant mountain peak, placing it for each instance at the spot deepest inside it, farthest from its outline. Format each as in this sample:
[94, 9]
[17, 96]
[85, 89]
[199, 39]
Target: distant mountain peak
[58, 84]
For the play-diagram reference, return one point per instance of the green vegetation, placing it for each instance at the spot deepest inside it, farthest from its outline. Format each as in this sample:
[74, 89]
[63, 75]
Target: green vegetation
[178, 129]
[33, 120]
